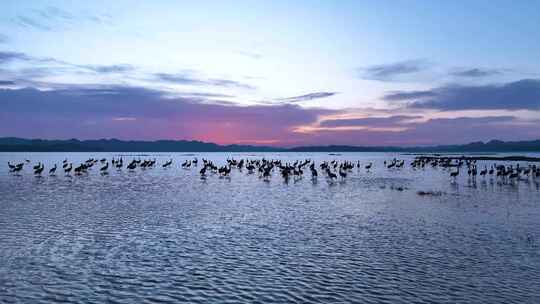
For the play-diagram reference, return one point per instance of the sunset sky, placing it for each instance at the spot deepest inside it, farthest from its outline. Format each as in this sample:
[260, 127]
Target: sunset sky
[281, 73]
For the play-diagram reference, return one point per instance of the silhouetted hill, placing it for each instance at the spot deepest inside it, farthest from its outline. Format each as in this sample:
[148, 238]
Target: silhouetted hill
[491, 146]
[12, 144]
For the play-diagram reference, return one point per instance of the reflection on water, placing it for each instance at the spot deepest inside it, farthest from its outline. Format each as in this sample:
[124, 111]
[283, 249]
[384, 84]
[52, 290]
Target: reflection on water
[166, 235]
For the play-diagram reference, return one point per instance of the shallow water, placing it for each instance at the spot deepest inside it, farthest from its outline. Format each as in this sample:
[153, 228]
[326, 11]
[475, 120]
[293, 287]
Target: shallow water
[165, 235]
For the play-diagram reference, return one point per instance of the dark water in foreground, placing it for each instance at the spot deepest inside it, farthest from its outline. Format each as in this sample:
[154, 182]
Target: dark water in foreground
[166, 236]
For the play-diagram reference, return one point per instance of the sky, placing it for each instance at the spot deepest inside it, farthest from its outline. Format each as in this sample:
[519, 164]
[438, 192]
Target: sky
[279, 73]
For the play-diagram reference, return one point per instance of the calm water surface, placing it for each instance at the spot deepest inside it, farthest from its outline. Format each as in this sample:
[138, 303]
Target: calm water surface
[167, 236]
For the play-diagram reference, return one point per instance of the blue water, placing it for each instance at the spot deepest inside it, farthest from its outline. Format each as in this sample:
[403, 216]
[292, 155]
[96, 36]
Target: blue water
[168, 236]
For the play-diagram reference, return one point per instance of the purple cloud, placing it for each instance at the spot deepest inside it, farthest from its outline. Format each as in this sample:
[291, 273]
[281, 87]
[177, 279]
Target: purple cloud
[519, 95]
[90, 112]
[431, 132]
[94, 113]
[7, 83]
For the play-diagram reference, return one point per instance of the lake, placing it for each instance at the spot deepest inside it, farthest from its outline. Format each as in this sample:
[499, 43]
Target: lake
[166, 235]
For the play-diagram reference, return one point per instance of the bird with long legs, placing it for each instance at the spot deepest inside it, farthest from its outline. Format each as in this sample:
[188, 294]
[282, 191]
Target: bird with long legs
[68, 168]
[368, 166]
[454, 174]
[166, 164]
[52, 171]
[103, 169]
[38, 169]
[18, 168]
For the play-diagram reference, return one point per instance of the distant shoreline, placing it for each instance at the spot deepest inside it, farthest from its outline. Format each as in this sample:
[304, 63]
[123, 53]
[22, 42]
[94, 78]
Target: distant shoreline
[13, 144]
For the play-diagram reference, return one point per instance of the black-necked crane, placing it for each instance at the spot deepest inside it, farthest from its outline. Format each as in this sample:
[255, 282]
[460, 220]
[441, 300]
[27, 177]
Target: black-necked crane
[67, 169]
[314, 172]
[119, 163]
[52, 171]
[330, 174]
[39, 169]
[514, 174]
[267, 172]
[455, 173]
[203, 171]
[167, 164]
[18, 168]
[484, 172]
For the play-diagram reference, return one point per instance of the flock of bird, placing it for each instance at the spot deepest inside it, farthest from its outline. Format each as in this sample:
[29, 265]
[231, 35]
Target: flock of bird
[264, 168]
[510, 172]
[331, 170]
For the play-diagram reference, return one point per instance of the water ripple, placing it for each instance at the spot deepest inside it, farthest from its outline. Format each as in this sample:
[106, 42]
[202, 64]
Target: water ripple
[165, 236]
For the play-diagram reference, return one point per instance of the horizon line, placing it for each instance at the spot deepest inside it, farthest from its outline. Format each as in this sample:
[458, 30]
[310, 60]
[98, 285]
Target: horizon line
[434, 145]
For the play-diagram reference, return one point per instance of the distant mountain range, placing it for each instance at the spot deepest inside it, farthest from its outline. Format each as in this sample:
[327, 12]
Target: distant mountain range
[12, 144]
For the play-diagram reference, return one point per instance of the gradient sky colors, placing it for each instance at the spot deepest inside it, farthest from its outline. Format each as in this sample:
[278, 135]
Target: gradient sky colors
[272, 73]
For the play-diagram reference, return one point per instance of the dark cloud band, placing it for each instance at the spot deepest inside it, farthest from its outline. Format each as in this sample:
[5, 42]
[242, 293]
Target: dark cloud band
[519, 95]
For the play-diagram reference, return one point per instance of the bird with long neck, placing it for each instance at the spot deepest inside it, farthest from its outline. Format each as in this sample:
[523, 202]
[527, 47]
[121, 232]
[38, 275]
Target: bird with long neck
[52, 170]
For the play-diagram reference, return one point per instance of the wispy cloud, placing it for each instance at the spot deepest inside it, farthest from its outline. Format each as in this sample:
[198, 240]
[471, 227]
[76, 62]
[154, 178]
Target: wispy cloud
[53, 12]
[371, 122]
[3, 38]
[410, 95]
[206, 95]
[107, 69]
[306, 97]
[178, 78]
[187, 79]
[43, 66]
[6, 57]
[252, 55]
[53, 18]
[476, 72]
[32, 22]
[34, 68]
[391, 71]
